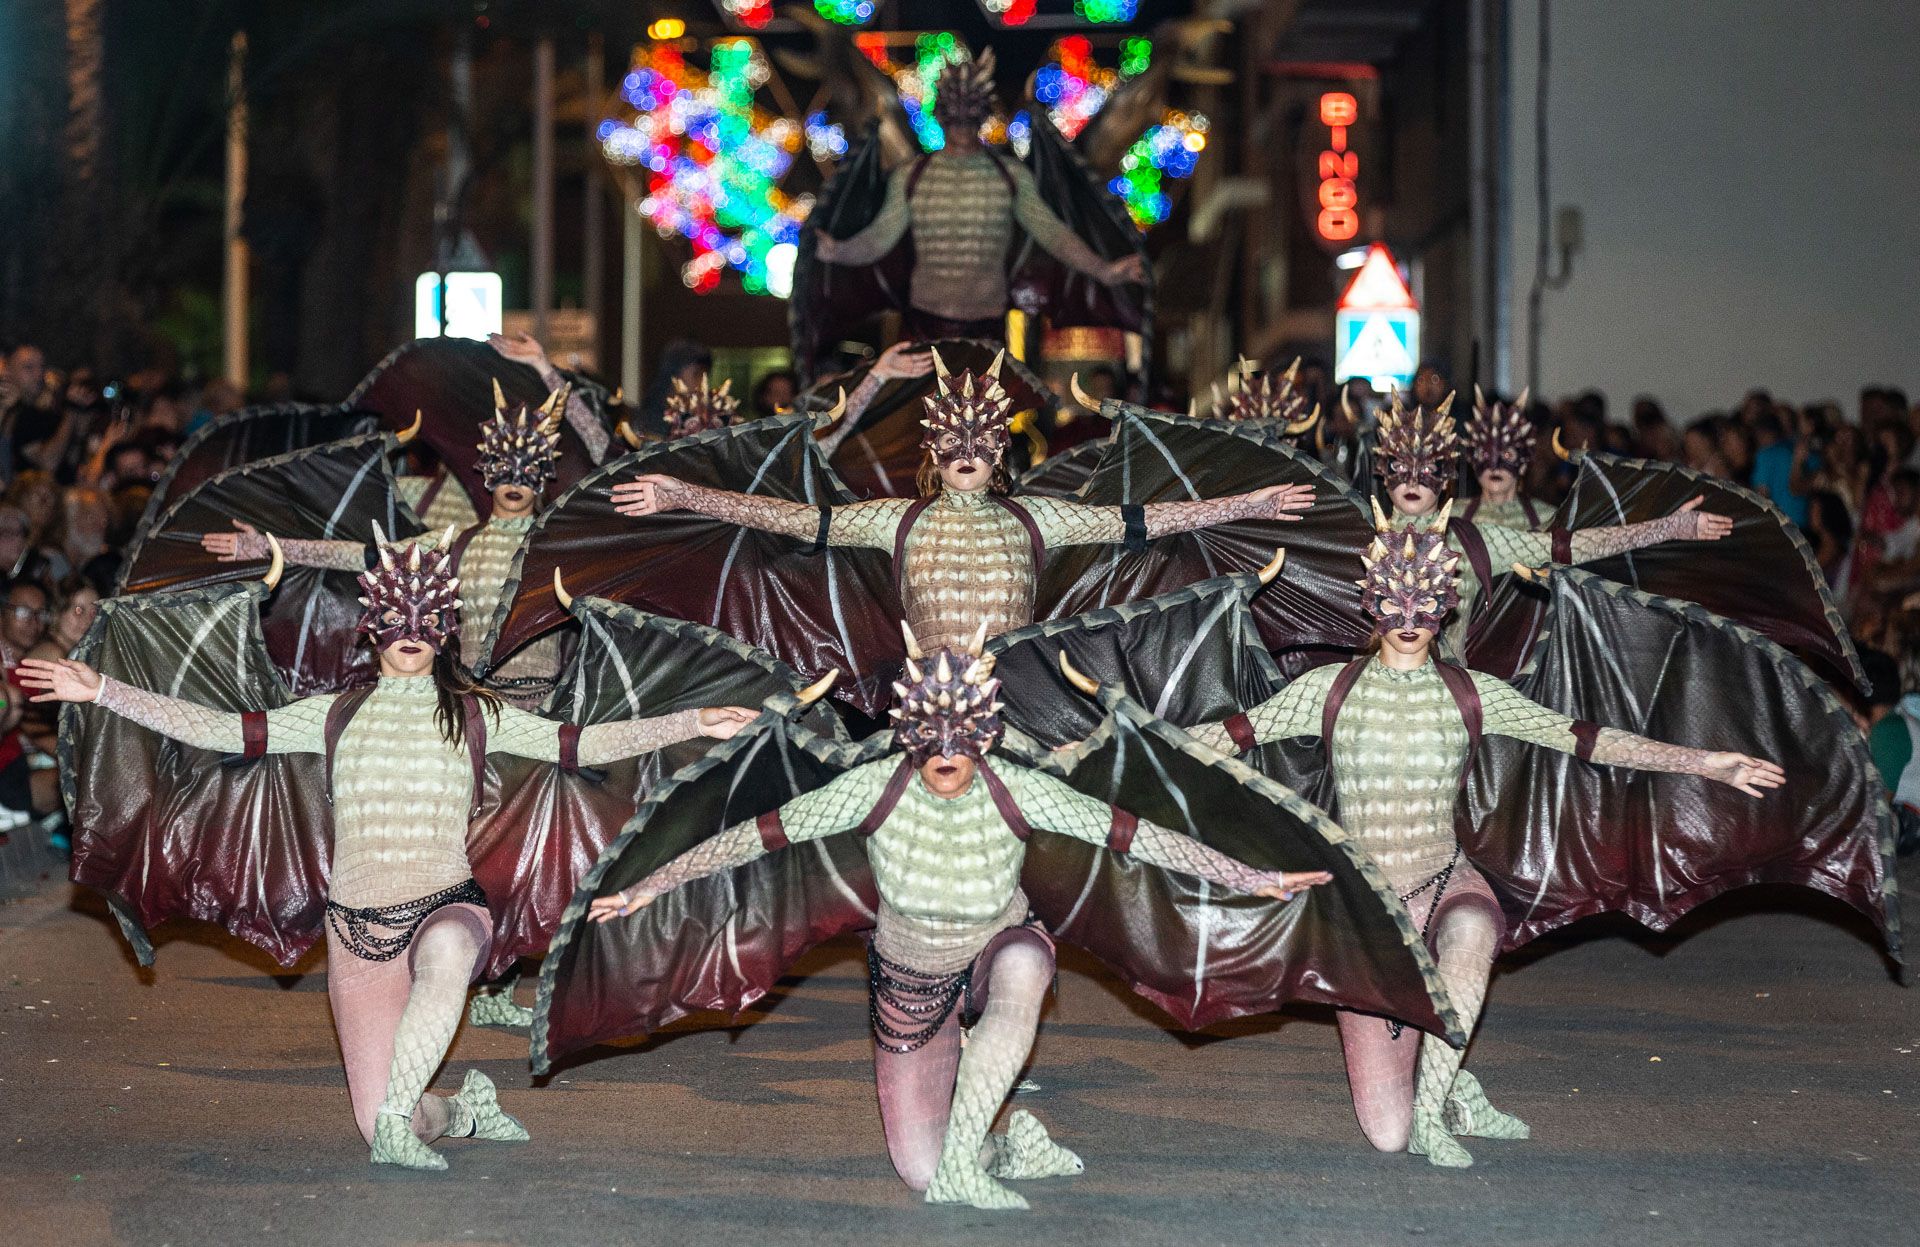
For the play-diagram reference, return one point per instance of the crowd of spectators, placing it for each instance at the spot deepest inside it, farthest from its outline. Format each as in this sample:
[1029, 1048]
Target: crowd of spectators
[79, 457]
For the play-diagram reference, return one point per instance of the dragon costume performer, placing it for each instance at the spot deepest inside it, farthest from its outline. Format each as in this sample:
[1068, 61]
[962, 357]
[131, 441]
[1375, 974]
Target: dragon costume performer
[432, 834]
[954, 238]
[1499, 447]
[1501, 811]
[966, 854]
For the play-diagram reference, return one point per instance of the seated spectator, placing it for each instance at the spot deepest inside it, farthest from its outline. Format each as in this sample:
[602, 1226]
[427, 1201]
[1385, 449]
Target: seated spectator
[1772, 467]
[1893, 732]
[1829, 530]
[85, 519]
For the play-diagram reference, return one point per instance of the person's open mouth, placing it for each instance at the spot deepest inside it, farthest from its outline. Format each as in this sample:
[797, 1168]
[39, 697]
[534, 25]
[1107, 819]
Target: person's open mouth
[945, 769]
[1409, 635]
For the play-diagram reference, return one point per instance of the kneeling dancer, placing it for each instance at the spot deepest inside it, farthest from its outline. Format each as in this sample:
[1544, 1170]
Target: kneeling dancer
[407, 925]
[1400, 726]
[955, 940]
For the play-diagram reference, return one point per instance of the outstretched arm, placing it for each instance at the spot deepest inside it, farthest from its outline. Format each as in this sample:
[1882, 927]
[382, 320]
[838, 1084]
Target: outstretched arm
[1050, 804]
[527, 735]
[1506, 712]
[871, 524]
[902, 359]
[298, 727]
[828, 810]
[248, 543]
[1689, 523]
[1057, 238]
[1063, 522]
[1293, 711]
[881, 234]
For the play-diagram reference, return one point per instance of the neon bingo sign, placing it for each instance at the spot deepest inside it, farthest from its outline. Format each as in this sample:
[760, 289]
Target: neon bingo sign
[1339, 216]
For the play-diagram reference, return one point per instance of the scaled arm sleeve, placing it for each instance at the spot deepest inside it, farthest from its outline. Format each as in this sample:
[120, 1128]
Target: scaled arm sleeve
[1050, 804]
[298, 727]
[1590, 544]
[1065, 523]
[881, 234]
[1293, 711]
[579, 415]
[835, 807]
[1507, 546]
[1506, 712]
[857, 403]
[339, 556]
[1055, 236]
[854, 524]
[527, 735]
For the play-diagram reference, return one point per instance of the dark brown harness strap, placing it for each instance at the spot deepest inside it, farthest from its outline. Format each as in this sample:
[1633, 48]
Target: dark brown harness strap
[460, 544]
[1003, 801]
[339, 714]
[773, 834]
[570, 747]
[889, 797]
[1240, 727]
[900, 544]
[1120, 833]
[1562, 545]
[1533, 517]
[253, 733]
[1473, 507]
[1585, 734]
[476, 748]
[1027, 522]
[432, 490]
[1466, 696]
[1336, 698]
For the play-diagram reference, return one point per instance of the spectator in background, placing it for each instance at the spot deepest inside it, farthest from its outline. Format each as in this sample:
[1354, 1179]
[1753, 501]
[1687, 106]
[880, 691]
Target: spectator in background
[1893, 736]
[774, 393]
[220, 397]
[1653, 436]
[85, 520]
[683, 359]
[23, 396]
[1430, 387]
[1736, 447]
[23, 619]
[1772, 469]
[76, 603]
[1829, 530]
[15, 546]
[1700, 449]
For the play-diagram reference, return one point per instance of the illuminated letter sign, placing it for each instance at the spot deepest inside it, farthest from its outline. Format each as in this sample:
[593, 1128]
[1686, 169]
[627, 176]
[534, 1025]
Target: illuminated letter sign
[1339, 218]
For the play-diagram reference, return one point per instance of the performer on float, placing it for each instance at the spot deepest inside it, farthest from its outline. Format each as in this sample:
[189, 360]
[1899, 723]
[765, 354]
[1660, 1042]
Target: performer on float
[1399, 726]
[1500, 444]
[960, 206]
[900, 362]
[517, 454]
[1416, 457]
[965, 553]
[947, 829]
[407, 925]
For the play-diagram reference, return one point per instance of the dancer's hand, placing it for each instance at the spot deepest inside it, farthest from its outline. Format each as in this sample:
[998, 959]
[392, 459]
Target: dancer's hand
[234, 546]
[903, 359]
[1126, 269]
[1707, 526]
[721, 722]
[647, 495]
[1282, 499]
[64, 679]
[1294, 881]
[1738, 770]
[519, 347]
[619, 905]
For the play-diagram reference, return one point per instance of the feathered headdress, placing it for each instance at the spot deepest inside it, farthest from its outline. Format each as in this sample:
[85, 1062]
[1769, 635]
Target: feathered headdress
[1410, 580]
[696, 408]
[1254, 395]
[515, 450]
[1418, 446]
[950, 704]
[967, 417]
[1500, 435]
[414, 585]
[963, 93]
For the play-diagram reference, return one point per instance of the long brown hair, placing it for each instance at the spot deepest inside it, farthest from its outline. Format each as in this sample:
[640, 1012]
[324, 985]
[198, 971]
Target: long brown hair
[928, 481]
[451, 683]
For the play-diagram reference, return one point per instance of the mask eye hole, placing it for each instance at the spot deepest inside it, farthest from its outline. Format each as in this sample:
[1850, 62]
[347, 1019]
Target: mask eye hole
[390, 618]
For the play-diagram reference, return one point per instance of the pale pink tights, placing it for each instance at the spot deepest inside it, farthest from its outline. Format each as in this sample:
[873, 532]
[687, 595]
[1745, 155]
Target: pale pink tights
[1464, 939]
[918, 1095]
[410, 1006]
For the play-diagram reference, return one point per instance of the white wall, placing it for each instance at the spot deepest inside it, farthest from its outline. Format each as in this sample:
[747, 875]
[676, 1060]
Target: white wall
[1750, 175]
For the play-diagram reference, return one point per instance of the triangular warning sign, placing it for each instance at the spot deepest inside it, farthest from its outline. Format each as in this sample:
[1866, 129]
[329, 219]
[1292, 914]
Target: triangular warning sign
[1377, 286]
[1378, 351]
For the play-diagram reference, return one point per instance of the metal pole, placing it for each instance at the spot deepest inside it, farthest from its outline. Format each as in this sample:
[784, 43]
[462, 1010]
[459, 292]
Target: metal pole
[631, 281]
[234, 352]
[1543, 227]
[542, 292]
[594, 228]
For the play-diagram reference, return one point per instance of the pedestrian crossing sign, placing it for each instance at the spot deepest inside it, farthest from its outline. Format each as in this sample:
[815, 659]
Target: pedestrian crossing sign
[1377, 326]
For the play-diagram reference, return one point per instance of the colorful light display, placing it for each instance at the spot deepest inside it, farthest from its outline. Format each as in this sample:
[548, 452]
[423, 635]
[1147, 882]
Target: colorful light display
[753, 14]
[1072, 87]
[1106, 12]
[918, 82]
[845, 12]
[705, 162]
[1168, 150]
[1011, 12]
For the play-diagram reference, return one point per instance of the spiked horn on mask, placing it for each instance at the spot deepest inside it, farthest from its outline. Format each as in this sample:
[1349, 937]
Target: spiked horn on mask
[1254, 395]
[1418, 447]
[963, 93]
[1410, 580]
[968, 417]
[696, 408]
[516, 450]
[950, 704]
[412, 595]
[1500, 436]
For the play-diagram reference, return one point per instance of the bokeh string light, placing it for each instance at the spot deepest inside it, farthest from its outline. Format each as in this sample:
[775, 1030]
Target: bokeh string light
[753, 14]
[1168, 150]
[706, 162]
[845, 12]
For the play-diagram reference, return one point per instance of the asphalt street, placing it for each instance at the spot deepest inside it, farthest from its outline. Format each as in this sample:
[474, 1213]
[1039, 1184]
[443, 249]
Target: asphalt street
[1754, 1081]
